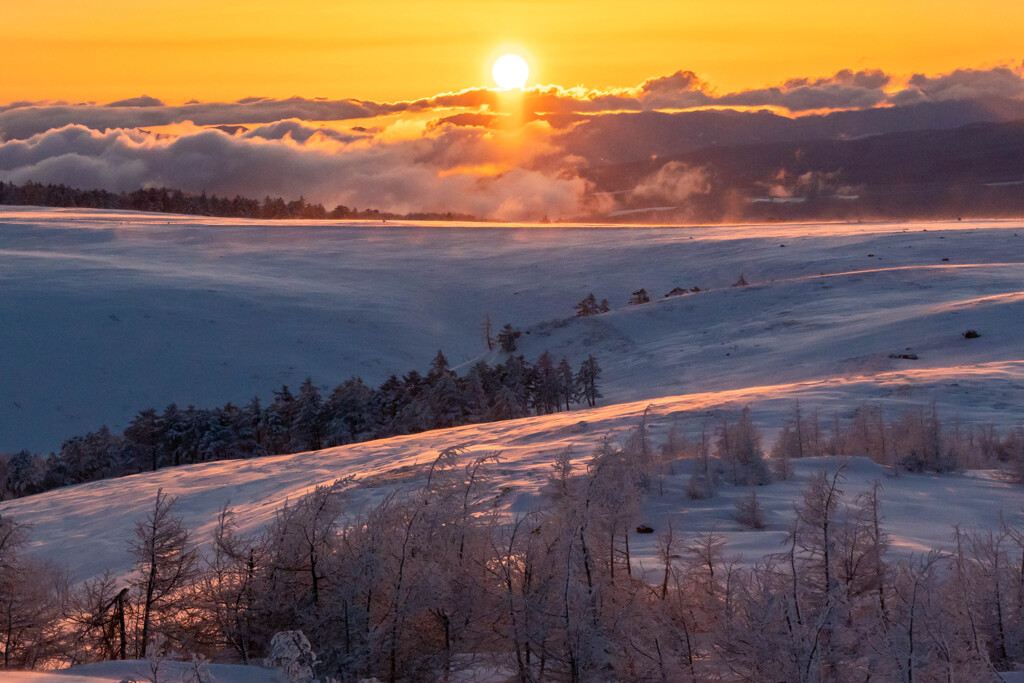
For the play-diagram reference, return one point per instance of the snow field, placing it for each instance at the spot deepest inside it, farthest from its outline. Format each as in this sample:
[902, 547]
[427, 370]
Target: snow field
[128, 312]
[209, 310]
[108, 313]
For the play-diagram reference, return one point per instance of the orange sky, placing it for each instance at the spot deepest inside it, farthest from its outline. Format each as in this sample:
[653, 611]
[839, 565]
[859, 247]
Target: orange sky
[102, 50]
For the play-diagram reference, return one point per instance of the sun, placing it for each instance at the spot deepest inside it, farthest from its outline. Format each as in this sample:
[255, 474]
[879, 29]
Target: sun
[510, 71]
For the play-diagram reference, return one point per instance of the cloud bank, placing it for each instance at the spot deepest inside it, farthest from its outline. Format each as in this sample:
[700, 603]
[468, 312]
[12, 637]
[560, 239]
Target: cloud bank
[446, 169]
[478, 151]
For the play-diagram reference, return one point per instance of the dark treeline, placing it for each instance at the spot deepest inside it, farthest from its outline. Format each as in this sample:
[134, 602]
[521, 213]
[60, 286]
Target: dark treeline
[430, 581]
[304, 421]
[165, 200]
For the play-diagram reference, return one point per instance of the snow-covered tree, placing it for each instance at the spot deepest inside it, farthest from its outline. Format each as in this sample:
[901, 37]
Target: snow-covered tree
[546, 386]
[586, 380]
[507, 338]
[227, 590]
[739, 448]
[25, 473]
[30, 602]
[166, 567]
[144, 434]
[800, 437]
[566, 380]
[352, 412]
[515, 380]
[308, 425]
[280, 416]
[587, 307]
[292, 655]
[749, 511]
[640, 296]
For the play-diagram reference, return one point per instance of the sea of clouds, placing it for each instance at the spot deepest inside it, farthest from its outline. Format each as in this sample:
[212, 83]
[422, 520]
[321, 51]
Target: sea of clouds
[480, 151]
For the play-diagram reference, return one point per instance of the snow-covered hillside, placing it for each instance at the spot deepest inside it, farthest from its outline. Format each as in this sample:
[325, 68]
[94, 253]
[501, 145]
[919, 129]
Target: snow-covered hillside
[108, 313]
[88, 525]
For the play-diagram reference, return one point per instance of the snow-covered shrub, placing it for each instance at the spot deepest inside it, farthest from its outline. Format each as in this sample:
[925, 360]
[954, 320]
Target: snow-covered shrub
[700, 487]
[750, 512]
[200, 670]
[157, 656]
[292, 655]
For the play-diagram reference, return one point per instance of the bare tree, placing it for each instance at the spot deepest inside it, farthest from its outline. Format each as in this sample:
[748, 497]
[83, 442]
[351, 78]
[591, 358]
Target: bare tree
[96, 612]
[166, 566]
[30, 601]
[228, 586]
[488, 330]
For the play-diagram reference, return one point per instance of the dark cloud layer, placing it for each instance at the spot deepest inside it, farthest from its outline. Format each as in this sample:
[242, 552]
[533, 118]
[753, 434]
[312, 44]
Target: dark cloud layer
[845, 89]
[144, 101]
[964, 84]
[19, 123]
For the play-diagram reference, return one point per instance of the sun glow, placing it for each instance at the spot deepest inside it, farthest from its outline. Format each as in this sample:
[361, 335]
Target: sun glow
[510, 71]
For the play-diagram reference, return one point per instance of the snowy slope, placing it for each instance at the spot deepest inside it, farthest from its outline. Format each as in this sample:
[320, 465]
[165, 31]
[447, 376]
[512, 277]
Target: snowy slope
[104, 672]
[106, 313]
[88, 525]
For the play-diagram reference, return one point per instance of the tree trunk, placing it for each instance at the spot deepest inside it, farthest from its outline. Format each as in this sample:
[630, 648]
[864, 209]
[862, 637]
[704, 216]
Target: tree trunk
[120, 623]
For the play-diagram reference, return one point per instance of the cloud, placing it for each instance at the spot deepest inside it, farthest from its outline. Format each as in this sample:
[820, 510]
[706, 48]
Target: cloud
[448, 169]
[21, 122]
[469, 119]
[673, 183]
[846, 89]
[681, 90]
[144, 101]
[843, 90]
[784, 184]
[296, 130]
[870, 79]
[482, 151]
[1004, 82]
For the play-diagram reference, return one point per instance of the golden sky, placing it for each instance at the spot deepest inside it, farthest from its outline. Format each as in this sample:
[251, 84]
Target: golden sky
[386, 50]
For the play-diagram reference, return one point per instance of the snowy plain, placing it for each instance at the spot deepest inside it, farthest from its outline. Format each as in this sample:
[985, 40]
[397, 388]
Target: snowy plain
[103, 314]
[107, 313]
[210, 310]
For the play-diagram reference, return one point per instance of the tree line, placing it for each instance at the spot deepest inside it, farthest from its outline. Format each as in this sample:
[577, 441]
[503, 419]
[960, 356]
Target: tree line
[306, 420]
[729, 449]
[169, 200]
[432, 580]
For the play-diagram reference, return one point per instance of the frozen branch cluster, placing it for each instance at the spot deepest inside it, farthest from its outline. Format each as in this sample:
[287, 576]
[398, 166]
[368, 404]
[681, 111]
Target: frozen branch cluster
[434, 579]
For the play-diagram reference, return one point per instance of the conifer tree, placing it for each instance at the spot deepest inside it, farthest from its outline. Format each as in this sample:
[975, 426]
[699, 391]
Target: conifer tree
[587, 307]
[507, 338]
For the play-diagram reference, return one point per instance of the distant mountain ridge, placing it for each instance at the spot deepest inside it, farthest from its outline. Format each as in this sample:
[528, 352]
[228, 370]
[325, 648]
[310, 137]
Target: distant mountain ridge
[630, 137]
